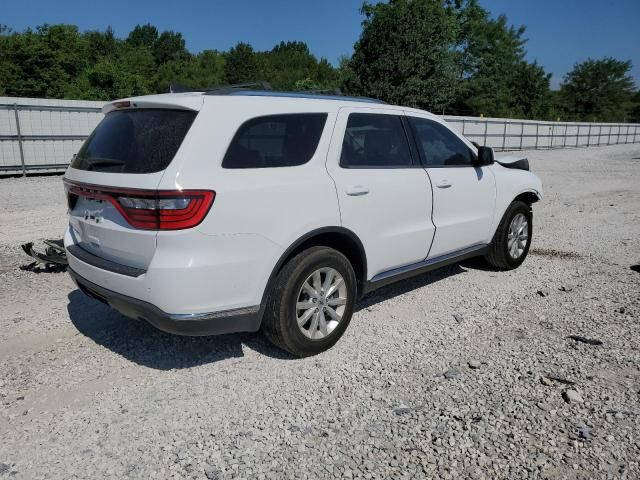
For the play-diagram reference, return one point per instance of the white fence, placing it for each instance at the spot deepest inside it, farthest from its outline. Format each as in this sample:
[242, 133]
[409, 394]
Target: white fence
[39, 135]
[42, 134]
[509, 134]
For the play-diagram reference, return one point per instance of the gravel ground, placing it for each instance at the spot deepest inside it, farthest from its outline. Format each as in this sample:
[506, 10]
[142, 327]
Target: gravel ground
[460, 373]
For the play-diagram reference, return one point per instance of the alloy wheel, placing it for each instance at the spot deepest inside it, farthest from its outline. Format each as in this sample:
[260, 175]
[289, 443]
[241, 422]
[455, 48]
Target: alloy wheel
[518, 236]
[321, 303]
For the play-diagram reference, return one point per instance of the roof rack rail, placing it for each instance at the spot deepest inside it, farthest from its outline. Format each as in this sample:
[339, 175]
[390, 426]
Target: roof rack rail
[224, 89]
[177, 88]
[220, 89]
[324, 91]
[264, 90]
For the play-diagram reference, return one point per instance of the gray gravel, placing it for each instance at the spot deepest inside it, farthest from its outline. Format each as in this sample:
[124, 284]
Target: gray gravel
[460, 373]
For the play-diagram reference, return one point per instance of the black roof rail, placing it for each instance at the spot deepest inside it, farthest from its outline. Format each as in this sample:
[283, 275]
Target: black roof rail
[264, 89]
[324, 91]
[224, 89]
[220, 89]
[336, 92]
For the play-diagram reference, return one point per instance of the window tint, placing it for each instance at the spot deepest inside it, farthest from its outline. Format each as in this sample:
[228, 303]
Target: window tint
[275, 141]
[440, 146]
[374, 141]
[135, 141]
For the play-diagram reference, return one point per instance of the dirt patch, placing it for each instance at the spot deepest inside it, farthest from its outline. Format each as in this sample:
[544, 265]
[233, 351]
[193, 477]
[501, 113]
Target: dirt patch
[552, 253]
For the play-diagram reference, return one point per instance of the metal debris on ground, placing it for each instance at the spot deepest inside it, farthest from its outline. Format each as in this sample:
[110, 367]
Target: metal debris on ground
[589, 341]
[54, 258]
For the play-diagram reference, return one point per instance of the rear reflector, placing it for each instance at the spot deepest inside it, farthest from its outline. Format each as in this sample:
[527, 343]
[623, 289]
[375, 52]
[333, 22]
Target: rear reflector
[150, 209]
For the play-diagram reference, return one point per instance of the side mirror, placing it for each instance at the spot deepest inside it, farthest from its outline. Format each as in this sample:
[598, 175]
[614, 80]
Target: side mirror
[485, 157]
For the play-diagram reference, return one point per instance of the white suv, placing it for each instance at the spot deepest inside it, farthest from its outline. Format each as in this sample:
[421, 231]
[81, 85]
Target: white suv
[238, 210]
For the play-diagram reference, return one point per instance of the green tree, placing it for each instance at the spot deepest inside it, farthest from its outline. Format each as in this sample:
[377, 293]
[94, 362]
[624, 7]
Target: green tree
[530, 95]
[169, 46]
[406, 54]
[291, 66]
[634, 113]
[241, 64]
[204, 70]
[494, 77]
[598, 90]
[101, 44]
[108, 80]
[143, 36]
[43, 62]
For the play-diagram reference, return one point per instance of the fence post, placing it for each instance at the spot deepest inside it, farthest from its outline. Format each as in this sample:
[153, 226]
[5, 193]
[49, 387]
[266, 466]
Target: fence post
[578, 135]
[504, 135]
[635, 132]
[618, 137]
[553, 127]
[626, 136]
[463, 124]
[609, 135]
[521, 133]
[486, 124]
[564, 137]
[15, 111]
[599, 134]
[537, 125]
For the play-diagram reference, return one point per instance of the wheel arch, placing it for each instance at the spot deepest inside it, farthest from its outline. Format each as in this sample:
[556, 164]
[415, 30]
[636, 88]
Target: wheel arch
[528, 196]
[339, 238]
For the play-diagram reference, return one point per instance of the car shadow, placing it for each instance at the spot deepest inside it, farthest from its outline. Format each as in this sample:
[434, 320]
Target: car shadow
[145, 345]
[404, 286]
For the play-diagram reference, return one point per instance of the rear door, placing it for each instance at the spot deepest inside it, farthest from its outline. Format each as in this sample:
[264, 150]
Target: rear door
[463, 195]
[129, 149]
[384, 193]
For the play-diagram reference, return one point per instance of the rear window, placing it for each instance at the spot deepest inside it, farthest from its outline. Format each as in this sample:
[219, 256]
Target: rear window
[135, 141]
[275, 141]
[375, 141]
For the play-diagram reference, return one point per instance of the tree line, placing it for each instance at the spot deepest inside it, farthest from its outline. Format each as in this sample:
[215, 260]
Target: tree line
[441, 55]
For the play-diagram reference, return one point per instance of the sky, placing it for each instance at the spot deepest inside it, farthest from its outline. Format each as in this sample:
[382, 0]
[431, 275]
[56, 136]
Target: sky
[560, 32]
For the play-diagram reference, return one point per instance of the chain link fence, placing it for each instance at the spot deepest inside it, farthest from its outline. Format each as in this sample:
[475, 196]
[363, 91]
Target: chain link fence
[42, 135]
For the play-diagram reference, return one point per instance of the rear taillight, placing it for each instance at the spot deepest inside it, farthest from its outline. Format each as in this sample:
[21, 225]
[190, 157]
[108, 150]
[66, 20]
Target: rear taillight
[151, 209]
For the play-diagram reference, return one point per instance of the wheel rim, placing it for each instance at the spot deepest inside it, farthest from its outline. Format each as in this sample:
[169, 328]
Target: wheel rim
[518, 236]
[321, 302]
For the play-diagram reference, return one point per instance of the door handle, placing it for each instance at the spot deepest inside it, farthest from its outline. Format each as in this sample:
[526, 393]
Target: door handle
[443, 184]
[357, 190]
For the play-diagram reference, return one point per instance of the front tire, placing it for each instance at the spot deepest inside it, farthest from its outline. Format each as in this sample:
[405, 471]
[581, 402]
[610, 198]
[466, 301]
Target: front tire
[311, 302]
[511, 242]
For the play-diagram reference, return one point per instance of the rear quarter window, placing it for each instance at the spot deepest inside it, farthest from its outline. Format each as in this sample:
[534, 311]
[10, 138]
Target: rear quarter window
[135, 141]
[284, 140]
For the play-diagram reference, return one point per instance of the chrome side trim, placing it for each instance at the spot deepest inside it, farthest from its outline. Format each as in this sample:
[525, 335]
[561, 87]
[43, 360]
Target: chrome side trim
[429, 262]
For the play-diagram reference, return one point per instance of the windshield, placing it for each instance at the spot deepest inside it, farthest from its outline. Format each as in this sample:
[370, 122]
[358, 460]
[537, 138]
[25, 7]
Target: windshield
[135, 141]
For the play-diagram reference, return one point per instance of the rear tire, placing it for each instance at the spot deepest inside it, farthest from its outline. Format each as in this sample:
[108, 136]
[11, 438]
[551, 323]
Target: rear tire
[311, 302]
[512, 239]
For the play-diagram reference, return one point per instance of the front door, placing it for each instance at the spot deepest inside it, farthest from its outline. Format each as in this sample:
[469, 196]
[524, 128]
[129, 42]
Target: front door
[463, 195]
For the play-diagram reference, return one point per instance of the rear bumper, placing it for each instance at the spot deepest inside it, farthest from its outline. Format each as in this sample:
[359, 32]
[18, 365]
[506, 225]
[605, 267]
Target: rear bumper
[215, 323]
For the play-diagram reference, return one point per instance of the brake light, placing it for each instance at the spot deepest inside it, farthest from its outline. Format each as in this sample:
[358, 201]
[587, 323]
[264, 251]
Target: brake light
[151, 209]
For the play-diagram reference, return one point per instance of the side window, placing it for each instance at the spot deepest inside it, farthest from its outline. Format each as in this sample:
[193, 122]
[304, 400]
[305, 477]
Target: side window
[275, 141]
[375, 141]
[440, 146]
